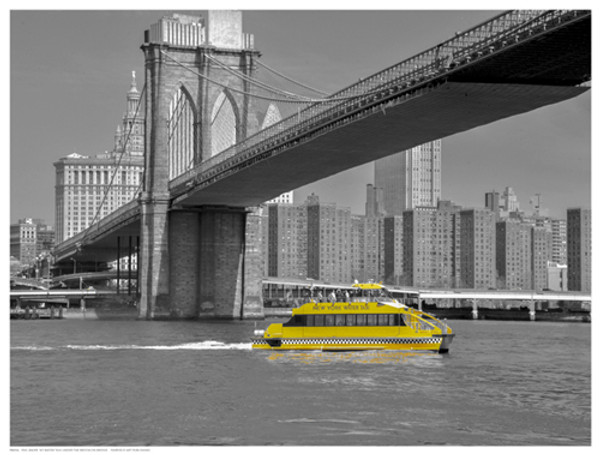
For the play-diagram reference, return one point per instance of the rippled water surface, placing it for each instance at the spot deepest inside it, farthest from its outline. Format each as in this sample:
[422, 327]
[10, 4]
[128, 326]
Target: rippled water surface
[134, 383]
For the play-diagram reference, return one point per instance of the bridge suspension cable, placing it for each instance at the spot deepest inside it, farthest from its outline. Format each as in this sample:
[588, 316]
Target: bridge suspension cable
[290, 79]
[285, 100]
[267, 87]
[112, 178]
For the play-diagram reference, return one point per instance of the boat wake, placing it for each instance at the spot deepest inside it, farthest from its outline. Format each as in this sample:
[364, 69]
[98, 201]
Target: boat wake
[209, 345]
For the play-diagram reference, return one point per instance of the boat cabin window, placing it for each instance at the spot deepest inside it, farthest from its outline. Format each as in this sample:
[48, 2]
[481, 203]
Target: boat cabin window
[344, 320]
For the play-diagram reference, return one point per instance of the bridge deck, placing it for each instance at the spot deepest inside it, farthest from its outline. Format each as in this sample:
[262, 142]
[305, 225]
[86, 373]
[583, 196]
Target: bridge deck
[435, 113]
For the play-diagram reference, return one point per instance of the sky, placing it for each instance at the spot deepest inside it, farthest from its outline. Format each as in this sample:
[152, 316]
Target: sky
[70, 72]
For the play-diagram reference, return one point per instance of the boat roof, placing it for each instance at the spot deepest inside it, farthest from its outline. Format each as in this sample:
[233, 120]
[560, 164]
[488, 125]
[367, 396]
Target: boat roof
[368, 285]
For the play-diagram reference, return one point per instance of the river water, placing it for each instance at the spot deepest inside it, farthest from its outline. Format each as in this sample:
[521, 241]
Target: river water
[158, 383]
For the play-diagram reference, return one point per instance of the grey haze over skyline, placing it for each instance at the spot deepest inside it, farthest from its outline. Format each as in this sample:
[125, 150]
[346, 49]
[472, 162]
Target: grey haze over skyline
[70, 72]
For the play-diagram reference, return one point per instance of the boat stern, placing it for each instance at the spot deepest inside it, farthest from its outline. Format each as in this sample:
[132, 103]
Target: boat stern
[267, 339]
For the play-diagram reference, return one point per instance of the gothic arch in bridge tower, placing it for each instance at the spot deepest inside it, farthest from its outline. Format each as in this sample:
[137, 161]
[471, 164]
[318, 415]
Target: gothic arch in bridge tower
[183, 132]
[223, 123]
[272, 116]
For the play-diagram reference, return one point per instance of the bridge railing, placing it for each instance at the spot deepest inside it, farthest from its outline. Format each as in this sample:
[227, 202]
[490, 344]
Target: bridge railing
[500, 31]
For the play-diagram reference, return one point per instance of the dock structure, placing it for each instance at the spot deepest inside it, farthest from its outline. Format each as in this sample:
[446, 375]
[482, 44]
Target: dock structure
[281, 295]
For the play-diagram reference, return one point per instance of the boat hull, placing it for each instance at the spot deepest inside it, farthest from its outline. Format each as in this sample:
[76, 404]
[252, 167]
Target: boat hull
[436, 343]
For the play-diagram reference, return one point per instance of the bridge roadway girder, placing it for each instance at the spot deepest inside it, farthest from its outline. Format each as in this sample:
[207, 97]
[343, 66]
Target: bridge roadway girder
[102, 247]
[435, 113]
[561, 56]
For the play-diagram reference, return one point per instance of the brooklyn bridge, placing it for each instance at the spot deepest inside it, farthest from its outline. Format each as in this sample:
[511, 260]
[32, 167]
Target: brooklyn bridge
[209, 160]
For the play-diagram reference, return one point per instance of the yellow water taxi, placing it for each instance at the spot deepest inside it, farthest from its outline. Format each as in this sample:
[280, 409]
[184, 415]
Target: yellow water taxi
[370, 319]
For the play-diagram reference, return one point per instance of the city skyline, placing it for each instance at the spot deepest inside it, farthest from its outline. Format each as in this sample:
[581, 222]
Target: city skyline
[75, 99]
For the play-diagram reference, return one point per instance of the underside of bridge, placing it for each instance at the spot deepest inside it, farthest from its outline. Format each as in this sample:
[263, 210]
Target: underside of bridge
[536, 69]
[441, 111]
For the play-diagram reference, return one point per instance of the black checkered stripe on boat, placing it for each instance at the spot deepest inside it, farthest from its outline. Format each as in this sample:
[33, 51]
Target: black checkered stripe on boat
[349, 341]
[360, 341]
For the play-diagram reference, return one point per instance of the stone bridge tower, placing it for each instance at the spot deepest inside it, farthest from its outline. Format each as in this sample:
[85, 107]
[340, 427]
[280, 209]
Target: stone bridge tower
[196, 262]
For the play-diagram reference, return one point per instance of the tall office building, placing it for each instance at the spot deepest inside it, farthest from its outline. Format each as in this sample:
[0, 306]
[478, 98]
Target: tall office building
[373, 206]
[513, 255]
[328, 241]
[357, 248]
[29, 239]
[393, 269]
[493, 202]
[541, 255]
[559, 241]
[429, 247]
[579, 249]
[89, 188]
[477, 249]
[373, 253]
[310, 240]
[509, 200]
[129, 136]
[287, 253]
[23, 241]
[454, 237]
[410, 179]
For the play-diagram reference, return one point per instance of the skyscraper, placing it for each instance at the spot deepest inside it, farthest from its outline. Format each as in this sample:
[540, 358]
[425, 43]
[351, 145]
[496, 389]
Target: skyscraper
[373, 235]
[89, 188]
[579, 249]
[492, 202]
[373, 251]
[29, 238]
[510, 202]
[541, 255]
[393, 255]
[287, 241]
[513, 255]
[559, 241]
[23, 240]
[429, 246]
[357, 247]
[328, 241]
[410, 179]
[373, 206]
[477, 248]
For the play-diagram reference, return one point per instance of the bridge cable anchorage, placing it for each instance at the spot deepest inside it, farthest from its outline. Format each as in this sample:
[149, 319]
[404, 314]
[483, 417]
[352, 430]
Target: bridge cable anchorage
[263, 85]
[290, 79]
[112, 178]
[306, 101]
